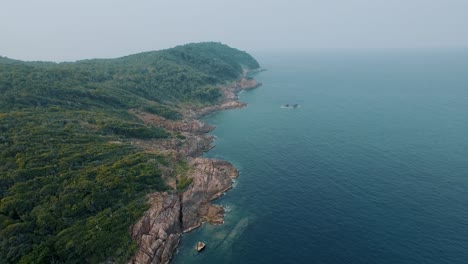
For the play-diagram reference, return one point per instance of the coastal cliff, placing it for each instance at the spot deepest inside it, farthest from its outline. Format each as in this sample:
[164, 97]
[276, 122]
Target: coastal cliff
[158, 231]
[92, 147]
[171, 214]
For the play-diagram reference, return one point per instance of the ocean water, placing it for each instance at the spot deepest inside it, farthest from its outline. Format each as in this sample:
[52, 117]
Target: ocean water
[372, 168]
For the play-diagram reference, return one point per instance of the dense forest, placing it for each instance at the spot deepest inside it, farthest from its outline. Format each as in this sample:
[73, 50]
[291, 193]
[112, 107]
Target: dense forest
[70, 181]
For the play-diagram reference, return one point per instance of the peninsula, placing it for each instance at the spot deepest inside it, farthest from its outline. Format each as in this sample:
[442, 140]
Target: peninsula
[101, 158]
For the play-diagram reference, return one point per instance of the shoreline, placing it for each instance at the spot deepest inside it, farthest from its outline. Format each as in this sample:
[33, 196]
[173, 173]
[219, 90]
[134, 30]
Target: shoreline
[173, 213]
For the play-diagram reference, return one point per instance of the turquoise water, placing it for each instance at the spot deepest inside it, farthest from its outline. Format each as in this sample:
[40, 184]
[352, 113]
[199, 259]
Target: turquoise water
[372, 168]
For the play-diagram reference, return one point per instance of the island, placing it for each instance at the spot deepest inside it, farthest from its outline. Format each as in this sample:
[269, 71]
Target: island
[101, 158]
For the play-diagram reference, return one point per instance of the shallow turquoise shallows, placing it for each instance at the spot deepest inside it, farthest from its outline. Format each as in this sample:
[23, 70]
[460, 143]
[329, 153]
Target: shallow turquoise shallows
[371, 168]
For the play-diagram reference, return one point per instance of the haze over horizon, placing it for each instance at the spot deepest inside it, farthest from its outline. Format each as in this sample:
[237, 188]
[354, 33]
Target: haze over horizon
[65, 30]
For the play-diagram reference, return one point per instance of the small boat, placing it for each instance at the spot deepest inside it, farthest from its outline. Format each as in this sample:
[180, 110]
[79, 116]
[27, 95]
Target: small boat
[200, 246]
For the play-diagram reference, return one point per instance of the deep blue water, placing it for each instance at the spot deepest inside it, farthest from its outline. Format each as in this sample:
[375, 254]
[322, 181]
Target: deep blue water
[372, 168]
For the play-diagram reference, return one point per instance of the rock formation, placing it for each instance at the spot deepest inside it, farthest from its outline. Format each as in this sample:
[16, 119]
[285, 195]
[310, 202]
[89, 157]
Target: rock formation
[158, 231]
[211, 178]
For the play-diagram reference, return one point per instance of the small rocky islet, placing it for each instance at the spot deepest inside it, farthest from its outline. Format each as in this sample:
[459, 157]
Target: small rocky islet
[290, 106]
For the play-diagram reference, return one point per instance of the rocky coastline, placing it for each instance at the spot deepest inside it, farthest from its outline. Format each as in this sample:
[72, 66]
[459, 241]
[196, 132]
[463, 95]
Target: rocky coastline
[172, 213]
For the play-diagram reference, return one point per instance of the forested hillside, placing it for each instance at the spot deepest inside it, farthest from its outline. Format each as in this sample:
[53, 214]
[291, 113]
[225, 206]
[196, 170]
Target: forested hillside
[70, 181]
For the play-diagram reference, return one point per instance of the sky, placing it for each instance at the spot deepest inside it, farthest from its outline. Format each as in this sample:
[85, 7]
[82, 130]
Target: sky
[67, 30]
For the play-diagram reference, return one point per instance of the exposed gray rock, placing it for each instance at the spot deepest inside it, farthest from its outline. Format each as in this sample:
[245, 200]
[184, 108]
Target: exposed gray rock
[157, 233]
[211, 178]
[152, 229]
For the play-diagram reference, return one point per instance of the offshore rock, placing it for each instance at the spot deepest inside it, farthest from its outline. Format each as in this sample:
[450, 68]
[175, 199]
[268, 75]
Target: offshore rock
[200, 246]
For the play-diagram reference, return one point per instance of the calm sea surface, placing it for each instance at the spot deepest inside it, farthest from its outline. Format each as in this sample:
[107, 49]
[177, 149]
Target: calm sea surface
[372, 168]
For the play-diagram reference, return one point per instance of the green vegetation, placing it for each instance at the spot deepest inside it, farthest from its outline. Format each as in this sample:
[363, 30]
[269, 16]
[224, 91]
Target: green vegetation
[71, 182]
[181, 171]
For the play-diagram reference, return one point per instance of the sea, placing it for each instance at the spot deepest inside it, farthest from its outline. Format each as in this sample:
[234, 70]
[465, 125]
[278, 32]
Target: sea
[372, 167]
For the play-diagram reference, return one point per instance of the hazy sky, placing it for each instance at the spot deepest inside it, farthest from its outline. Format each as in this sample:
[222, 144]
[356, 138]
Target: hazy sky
[68, 30]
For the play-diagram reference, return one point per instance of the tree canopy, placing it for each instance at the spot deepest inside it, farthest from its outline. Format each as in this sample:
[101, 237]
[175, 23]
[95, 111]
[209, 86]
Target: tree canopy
[70, 181]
